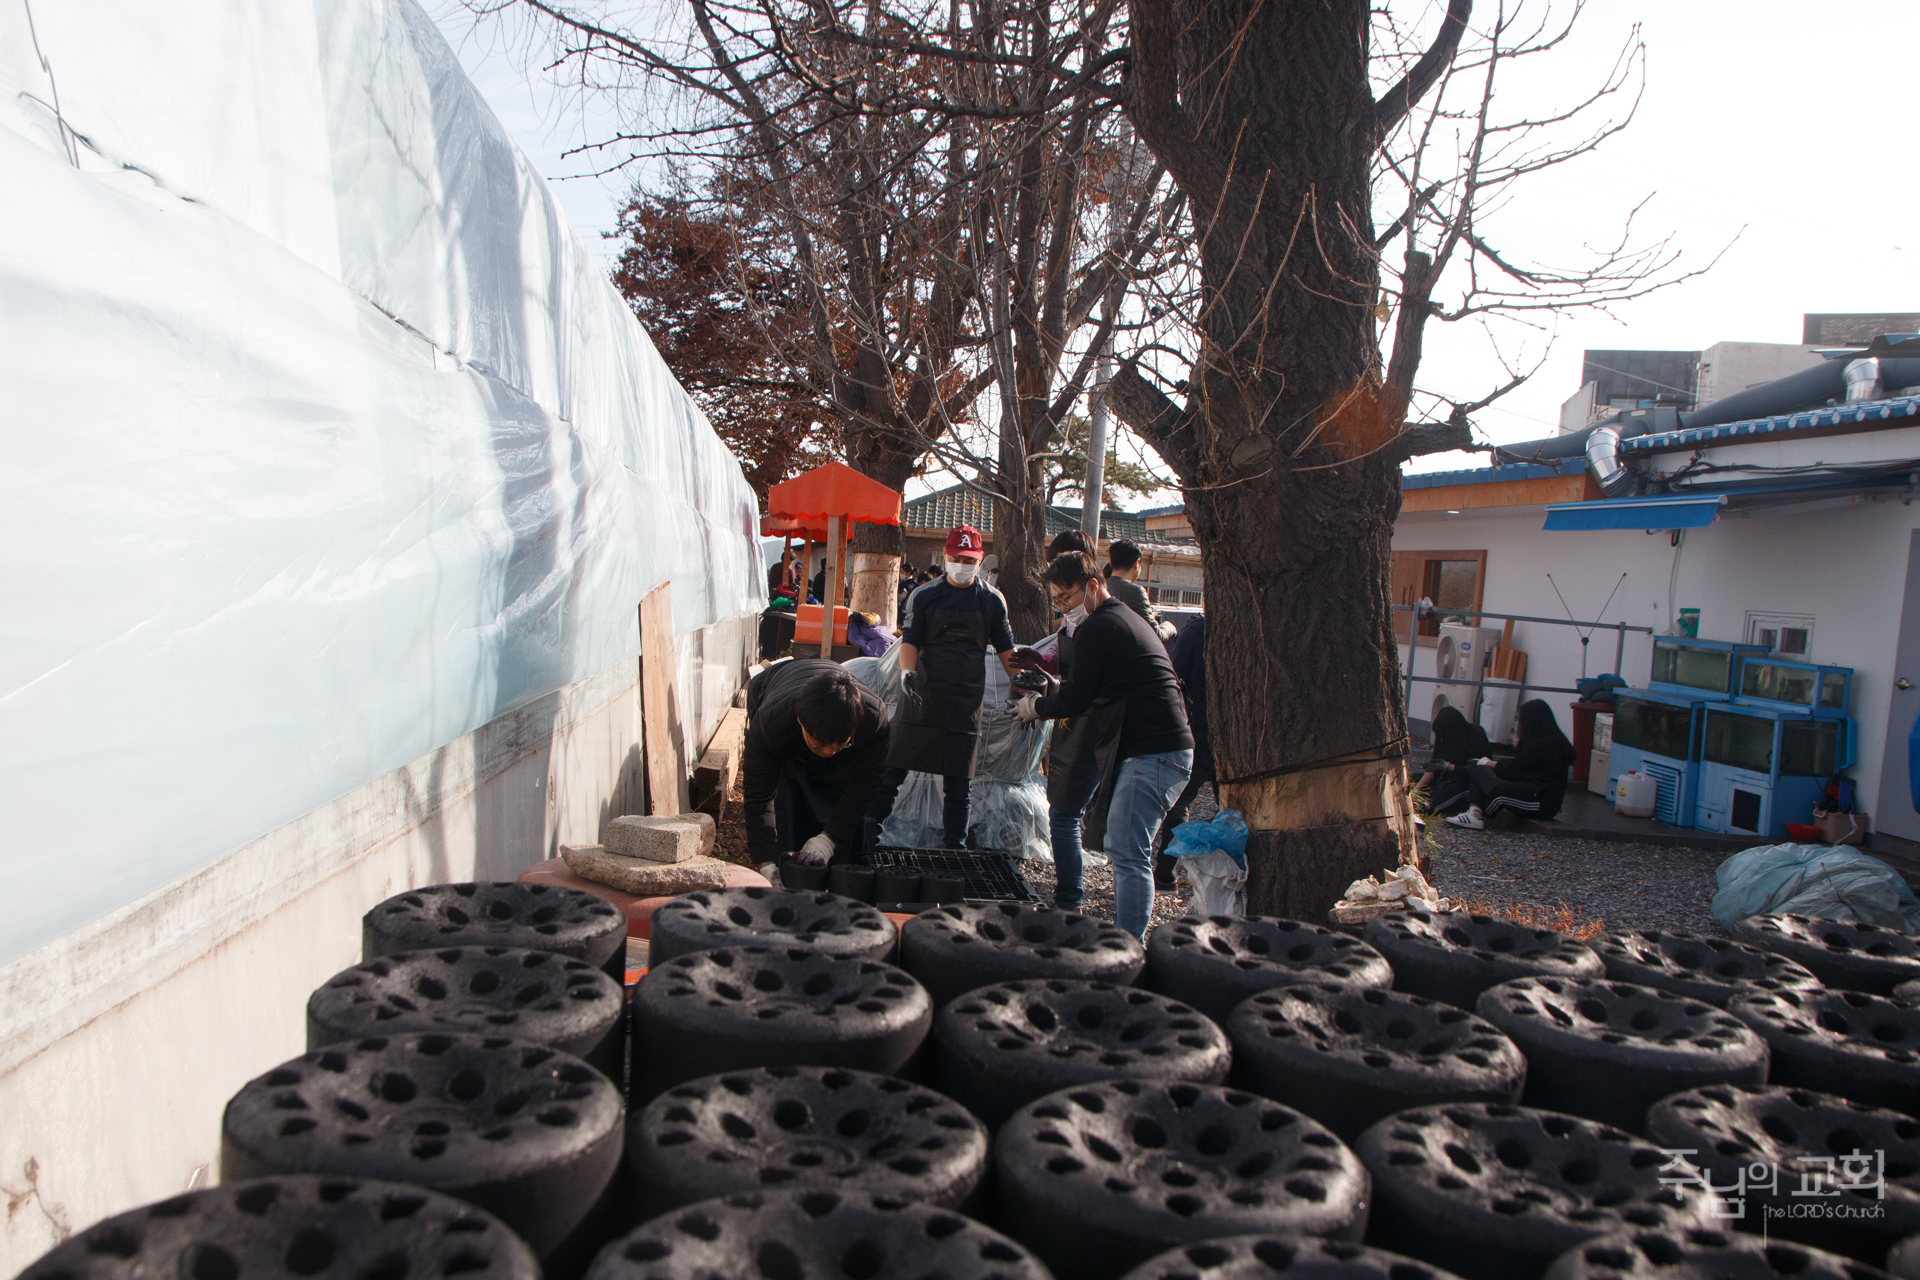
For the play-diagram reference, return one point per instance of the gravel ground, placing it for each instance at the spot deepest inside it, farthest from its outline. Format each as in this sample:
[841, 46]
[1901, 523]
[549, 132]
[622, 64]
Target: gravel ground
[1098, 881]
[1626, 886]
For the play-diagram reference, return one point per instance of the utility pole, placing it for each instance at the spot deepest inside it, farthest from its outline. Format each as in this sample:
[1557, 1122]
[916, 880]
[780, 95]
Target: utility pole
[1096, 450]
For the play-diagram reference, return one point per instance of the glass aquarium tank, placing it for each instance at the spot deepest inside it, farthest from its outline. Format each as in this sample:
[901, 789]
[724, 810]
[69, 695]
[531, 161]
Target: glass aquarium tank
[1658, 728]
[1710, 670]
[1778, 682]
[1738, 741]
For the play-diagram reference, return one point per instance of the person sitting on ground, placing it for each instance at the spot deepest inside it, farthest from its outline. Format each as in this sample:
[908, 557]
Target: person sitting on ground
[1531, 783]
[816, 745]
[1130, 741]
[1457, 743]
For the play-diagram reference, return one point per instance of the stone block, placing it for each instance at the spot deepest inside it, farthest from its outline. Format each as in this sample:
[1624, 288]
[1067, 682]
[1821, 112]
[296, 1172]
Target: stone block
[661, 839]
[641, 877]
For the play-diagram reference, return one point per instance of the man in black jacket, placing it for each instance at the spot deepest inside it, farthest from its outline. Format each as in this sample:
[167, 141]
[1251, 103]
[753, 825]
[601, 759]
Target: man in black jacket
[815, 747]
[1130, 736]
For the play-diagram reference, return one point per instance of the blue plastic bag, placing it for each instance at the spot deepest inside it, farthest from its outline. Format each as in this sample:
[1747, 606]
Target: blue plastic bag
[1825, 881]
[1226, 833]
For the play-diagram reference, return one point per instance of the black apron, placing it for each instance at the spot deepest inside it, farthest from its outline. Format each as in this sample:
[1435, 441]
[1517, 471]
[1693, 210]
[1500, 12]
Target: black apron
[1085, 762]
[942, 734]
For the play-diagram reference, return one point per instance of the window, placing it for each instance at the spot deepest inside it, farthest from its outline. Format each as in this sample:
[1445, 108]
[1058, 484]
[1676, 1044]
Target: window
[1454, 580]
[1786, 635]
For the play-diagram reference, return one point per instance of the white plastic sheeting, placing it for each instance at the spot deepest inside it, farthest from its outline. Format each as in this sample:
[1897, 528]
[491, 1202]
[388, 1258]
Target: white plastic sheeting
[1007, 801]
[322, 440]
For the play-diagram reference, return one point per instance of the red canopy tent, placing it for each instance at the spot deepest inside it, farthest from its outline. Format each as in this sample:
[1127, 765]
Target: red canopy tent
[819, 506]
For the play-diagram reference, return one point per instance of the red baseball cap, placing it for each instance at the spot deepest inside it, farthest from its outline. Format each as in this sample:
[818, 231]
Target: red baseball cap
[964, 543]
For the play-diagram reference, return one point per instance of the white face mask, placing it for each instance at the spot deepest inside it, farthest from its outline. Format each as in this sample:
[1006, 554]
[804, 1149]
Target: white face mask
[1074, 616]
[960, 572]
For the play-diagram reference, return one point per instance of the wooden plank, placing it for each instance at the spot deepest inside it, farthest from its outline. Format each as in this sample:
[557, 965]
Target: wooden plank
[836, 551]
[719, 765]
[659, 705]
[1502, 493]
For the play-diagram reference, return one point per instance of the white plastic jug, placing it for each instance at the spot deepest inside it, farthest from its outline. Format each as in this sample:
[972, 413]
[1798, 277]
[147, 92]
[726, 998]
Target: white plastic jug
[1635, 795]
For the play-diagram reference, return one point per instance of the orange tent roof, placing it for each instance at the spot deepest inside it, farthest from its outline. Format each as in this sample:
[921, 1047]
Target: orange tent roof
[780, 526]
[832, 489]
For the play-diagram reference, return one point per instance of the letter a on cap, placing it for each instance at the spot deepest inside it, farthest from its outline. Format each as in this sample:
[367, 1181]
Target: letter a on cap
[963, 543]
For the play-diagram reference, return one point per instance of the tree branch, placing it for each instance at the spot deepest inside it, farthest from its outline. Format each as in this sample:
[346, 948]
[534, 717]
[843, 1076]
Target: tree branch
[1431, 437]
[1148, 410]
[1397, 102]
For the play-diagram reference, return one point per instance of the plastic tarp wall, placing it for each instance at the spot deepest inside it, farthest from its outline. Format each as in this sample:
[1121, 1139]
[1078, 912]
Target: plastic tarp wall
[323, 440]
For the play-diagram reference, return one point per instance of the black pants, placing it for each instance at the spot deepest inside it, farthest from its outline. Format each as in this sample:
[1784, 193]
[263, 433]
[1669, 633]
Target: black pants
[1494, 794]
[955, 803]
[1203, 773]
[803, 804]
[1448, 789]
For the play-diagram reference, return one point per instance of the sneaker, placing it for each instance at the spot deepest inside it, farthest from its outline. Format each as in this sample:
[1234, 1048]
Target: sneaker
[1470, 820]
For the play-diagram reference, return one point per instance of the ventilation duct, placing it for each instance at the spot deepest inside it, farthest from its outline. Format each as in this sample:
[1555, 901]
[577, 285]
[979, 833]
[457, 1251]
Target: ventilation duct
[1603, 462]
[1863, 380]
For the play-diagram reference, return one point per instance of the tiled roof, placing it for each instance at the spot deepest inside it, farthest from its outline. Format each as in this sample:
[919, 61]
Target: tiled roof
[962, 505]
[1505, 471]
[1832, 416]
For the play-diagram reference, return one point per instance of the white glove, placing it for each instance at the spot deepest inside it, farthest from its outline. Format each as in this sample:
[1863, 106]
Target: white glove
[817, 851]
[1026, 708]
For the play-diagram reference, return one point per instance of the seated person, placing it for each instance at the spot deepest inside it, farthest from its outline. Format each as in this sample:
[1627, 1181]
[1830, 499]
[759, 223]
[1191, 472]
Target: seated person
[1531, 783]
[1457, 743]
[816, 745]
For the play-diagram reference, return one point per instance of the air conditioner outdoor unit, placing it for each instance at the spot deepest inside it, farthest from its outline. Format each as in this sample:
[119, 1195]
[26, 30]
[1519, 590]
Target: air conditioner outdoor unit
[1460, 655]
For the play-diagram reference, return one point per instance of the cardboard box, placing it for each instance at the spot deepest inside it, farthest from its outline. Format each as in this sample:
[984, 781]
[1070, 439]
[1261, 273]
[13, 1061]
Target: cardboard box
[1841, 828]
[1597, 768]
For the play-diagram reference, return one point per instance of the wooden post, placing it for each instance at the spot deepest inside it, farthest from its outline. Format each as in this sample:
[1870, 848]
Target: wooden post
[830, 583]
[659, 710]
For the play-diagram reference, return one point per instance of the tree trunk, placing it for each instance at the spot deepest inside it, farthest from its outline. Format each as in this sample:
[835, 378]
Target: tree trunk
[1263, 114]
[876, 547]
[1019, 543]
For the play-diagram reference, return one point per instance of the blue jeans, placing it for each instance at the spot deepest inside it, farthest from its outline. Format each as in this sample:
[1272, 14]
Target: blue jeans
[1142, 794]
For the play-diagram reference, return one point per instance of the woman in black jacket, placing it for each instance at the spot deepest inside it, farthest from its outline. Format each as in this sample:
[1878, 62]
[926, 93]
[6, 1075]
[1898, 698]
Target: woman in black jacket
[1457, 743]
[1530, 783]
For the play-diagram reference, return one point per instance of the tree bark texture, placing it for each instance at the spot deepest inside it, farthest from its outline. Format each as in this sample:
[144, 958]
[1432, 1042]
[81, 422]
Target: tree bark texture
[1263, 115]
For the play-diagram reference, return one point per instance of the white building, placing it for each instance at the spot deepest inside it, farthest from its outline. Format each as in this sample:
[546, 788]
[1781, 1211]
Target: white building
[1804, 530]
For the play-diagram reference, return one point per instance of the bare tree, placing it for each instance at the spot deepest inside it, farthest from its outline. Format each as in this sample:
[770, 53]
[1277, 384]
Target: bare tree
[1280, 122]
[937, 175]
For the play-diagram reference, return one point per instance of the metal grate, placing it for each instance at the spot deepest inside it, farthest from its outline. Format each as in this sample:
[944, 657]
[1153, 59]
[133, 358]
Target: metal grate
[1666, 803]
[987, 873]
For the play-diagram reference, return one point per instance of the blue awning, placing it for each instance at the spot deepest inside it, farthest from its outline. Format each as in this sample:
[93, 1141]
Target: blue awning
[1682, 511]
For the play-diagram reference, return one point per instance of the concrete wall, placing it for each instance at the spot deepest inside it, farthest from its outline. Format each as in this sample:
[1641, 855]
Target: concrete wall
[1845, 564]
[1727, 367]
[121, 1042]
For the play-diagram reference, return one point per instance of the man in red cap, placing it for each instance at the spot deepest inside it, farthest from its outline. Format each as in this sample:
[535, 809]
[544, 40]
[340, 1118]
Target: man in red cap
[945, 632]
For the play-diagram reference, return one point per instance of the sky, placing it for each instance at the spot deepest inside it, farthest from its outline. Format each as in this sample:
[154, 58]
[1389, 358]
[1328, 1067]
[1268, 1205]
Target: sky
[1769, 135]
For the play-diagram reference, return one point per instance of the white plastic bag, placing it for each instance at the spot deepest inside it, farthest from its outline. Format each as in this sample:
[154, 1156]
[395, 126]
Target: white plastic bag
[1219, 884]
[1007, 805]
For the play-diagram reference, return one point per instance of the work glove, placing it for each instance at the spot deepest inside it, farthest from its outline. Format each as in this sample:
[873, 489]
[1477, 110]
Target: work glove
[910, 681]
[1026, 708]
[816, 852]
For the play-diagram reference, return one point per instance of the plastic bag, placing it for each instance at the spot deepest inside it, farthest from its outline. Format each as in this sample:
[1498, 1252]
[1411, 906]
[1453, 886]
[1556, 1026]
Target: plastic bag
[1007, 805]
[1814, 880]
[1219, 883]
[1227, 834]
